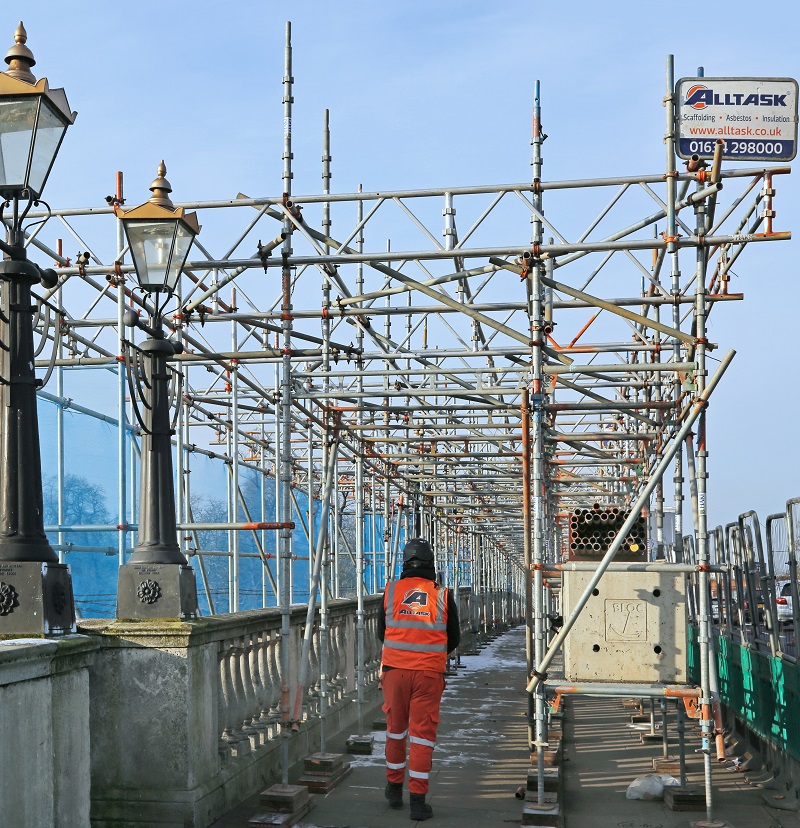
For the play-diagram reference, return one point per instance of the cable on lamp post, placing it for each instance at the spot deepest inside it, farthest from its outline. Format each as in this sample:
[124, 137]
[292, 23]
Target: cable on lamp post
[157, 581]
[35, 589]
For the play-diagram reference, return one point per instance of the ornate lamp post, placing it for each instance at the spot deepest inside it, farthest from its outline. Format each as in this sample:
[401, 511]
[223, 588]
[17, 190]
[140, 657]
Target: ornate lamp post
[35, 589]
[157, 582]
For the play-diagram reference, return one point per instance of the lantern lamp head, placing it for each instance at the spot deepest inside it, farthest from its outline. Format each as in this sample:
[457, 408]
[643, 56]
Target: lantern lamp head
[160, 236]
[33, 121]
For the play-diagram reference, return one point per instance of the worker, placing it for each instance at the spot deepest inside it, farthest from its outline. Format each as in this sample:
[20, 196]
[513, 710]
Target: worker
[418, 625]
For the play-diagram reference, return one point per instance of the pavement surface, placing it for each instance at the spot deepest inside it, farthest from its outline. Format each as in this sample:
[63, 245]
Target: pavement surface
[603, 754]
[481, 759]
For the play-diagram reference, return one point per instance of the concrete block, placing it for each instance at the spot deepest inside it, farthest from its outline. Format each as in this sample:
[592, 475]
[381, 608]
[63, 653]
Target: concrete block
[670, 765]
[281, 820]
[628, 627]
[324, 782]
[548, 814]
[379, 724]
[552, 754]
[360, 744]
[323, 763]
[322, 772]
[684, 799]
[552, 779]
[284, 798]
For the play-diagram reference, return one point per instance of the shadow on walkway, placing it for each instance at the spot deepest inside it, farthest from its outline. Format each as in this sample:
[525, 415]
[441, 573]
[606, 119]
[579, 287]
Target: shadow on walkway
[479, 762]
[481, 759]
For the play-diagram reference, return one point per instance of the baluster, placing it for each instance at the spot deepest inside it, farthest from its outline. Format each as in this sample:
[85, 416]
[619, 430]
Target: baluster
[367, 649]
[251, 682]
[314, 672]
[375, 647]
[265, 682]
[275, 682]
[333, 662]
[343, 663]
[347, 651]
[240, 730]
[224, 700]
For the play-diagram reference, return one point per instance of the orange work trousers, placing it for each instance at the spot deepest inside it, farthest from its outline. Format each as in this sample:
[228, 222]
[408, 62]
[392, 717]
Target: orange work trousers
[411, 701]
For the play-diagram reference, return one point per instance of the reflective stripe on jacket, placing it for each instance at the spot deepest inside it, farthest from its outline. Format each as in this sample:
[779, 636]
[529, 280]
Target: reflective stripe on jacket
[416, 625]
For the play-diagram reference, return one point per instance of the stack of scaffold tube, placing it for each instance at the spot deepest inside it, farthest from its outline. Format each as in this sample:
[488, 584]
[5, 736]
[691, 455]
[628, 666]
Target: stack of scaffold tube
[592, 529]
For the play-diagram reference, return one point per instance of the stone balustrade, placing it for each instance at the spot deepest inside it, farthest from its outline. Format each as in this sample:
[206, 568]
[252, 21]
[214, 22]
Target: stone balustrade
[172, 723]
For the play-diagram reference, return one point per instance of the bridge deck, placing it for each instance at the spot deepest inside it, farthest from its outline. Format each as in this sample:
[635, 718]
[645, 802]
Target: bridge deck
[481, 760]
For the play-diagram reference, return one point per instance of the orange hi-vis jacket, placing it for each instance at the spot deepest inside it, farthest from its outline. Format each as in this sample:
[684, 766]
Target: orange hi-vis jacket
[416, 625]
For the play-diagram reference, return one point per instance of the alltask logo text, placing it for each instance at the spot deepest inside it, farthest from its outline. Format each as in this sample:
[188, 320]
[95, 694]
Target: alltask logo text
[699, 97]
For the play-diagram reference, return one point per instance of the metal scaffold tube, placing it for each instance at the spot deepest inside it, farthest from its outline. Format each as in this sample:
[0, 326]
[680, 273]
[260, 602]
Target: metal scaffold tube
[284, 439]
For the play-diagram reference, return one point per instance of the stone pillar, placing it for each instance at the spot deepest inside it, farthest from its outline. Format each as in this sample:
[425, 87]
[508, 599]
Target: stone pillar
[44, 721]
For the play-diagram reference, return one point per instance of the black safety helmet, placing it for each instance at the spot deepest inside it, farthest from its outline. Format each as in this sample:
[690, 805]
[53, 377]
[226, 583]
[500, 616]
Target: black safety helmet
[417, 553]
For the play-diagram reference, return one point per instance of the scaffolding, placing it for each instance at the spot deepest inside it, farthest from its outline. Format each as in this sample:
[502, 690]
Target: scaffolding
[466, 363]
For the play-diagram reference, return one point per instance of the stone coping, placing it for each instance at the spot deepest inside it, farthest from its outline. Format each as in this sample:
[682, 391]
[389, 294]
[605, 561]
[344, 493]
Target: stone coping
[166, 632]
[173, 633]
[24, 659]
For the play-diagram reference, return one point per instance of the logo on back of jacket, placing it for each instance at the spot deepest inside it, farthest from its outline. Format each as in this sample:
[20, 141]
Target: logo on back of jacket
[414, 603]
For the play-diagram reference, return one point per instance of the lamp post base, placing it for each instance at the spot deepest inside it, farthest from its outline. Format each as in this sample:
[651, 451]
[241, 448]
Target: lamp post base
[35, 599]
[157, 591]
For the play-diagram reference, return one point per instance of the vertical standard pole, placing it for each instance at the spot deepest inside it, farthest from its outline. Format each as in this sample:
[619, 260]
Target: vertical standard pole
[234, 391]
[331, 455]
[122, 391]
[537, 465]
[316, 584]
[374, 531]
[285, 506]
[310, 490]
[60, 431]
[181, 457]
[388, 573]
[527, 537]
[701, 541]
[359, 499]
[337, 521]
[231, 512]
[326, 340]
[672, 252]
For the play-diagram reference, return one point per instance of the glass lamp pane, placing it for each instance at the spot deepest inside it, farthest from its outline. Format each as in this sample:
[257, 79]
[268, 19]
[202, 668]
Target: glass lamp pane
[151, 243]
[50, 129]
[17, 122]
[183, 241]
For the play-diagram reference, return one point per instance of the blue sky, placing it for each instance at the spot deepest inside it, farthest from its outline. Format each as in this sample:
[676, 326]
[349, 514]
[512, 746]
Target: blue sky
[433, 94]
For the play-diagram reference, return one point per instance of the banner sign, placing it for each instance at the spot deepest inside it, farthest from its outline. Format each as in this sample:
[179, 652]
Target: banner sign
[755, 117]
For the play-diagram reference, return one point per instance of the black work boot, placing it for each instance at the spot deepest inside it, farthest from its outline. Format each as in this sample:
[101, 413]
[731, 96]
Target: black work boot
[419, 808]
[394, 793]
